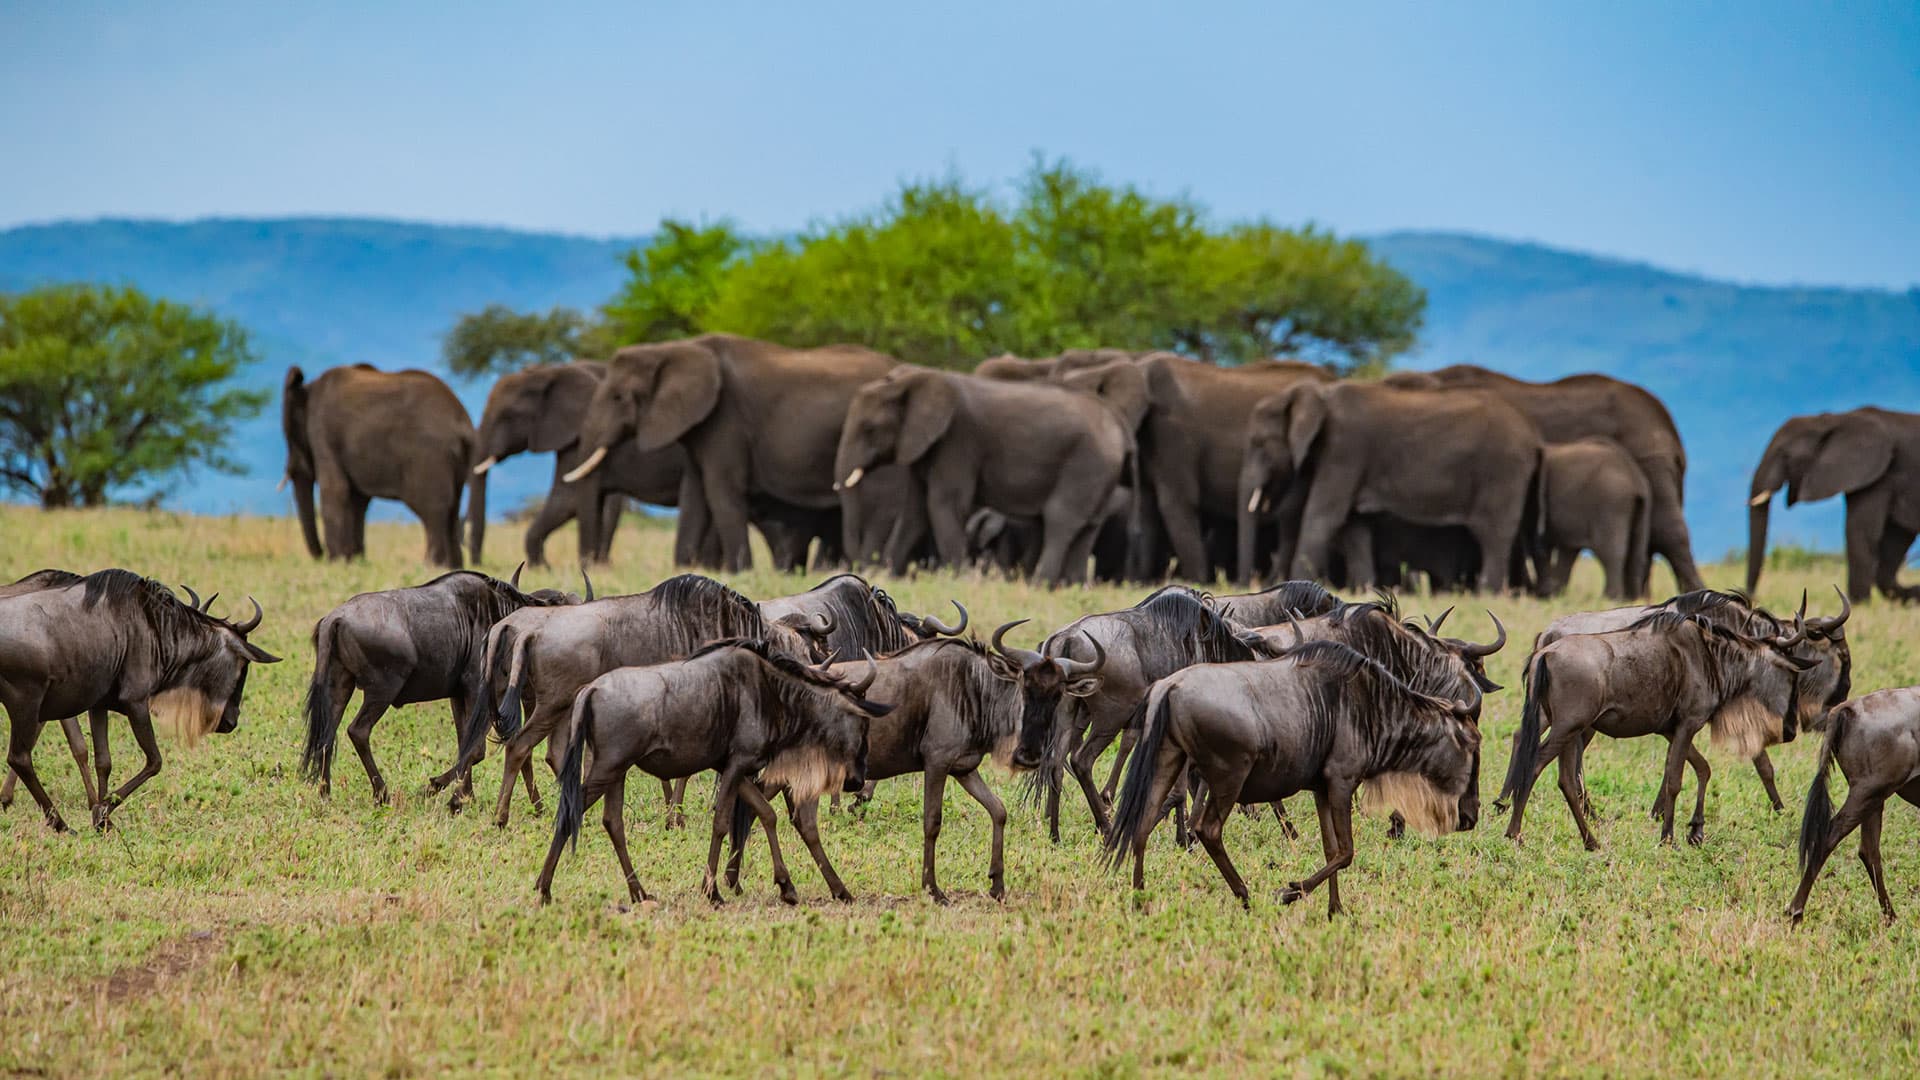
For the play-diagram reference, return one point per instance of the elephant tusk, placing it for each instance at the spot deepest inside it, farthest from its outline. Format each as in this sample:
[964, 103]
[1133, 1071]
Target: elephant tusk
[481, 469]
[282, 485]
[1760, 499]
[852, 478]
[1253, 502]
[593, 462]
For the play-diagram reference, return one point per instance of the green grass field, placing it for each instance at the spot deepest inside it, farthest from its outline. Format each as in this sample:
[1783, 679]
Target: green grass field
[235, 923]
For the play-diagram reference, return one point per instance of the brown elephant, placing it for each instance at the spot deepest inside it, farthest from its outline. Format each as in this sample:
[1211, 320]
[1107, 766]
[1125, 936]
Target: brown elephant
[1025, 450]
[756, 420]
[1428, 457]
[1580, 406]
[1597, 499]
[1870, 455]
[365, 434]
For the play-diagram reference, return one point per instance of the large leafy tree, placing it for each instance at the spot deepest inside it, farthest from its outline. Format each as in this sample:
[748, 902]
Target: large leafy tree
[498, 339]
[104, 391]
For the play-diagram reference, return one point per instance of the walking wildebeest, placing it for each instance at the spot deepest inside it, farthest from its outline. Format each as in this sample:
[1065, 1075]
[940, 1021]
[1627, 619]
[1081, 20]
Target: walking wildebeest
[1829, 682]
[743, 708]
[1169, 630]
[1322, 718]
[1876, 740]
[550, 653]
[400, 647]
[1668, 674]
[116, 641]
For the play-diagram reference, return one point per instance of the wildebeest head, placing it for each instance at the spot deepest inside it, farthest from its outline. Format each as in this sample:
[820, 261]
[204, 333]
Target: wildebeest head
[199, 661]
[1823, 639]
[1043, 679]
[1471, 654]
[843, 616]
[1757, 681]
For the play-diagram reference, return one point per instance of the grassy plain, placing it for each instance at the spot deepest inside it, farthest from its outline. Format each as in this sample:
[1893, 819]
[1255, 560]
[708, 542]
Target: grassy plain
[236, 923]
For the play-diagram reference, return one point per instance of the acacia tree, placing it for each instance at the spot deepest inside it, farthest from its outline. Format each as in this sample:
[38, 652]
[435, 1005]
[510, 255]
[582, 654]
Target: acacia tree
[498, 339]
[104, 389]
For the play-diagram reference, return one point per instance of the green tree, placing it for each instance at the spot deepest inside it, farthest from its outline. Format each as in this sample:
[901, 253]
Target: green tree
[675, 281]
[103, 389]
[497, 339]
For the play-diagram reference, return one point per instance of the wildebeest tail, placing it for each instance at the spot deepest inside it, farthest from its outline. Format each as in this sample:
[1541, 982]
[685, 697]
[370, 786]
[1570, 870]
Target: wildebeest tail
[475, 731]
[1137, 790]
[742, 827]
[322, 722]
[1526, 744]
[573, 797]
[1819, 812]
[506, 722]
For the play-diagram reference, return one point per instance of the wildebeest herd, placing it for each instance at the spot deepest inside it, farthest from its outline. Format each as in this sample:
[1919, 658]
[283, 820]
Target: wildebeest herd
[1218, 702]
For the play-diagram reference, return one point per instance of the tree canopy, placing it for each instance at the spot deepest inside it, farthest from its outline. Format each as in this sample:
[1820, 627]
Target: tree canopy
[946, 275]
[104, 389]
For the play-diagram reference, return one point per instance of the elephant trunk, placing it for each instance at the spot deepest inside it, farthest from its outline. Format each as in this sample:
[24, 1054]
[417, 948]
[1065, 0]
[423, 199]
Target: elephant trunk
[476, 514]
[1767, 479]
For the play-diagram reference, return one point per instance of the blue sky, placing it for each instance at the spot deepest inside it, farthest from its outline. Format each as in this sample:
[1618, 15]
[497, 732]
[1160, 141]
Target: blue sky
[1755, 141]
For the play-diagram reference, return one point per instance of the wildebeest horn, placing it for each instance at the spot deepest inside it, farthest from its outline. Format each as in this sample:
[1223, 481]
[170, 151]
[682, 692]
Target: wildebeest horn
[873, 672]
[820, 624]
[939, 627]
[515, 579]
[1299, 635]
[1433, 625]
[194, 596]
[207, 607]
[1020, 656]
[1079, 669]
[245, 628]
[1827, 624]
[588, 580]
[1499, 643]
[825, 666]
[1799, 634]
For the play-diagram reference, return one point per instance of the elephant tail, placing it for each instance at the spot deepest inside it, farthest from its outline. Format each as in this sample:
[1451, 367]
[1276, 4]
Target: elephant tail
[1540, 495]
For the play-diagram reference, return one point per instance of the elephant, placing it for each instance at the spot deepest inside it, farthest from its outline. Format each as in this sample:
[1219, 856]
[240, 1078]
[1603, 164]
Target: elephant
[1579, 406]
[539, 411]
[1597, 499]
[1873, 457]
[757, 421]
[1429, 457]
[1024, 450]
[1446, 554]
[365, 434]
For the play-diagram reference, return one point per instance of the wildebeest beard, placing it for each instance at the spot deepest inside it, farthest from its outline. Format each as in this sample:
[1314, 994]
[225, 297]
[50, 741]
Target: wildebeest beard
[1759, 702]
[798, 705]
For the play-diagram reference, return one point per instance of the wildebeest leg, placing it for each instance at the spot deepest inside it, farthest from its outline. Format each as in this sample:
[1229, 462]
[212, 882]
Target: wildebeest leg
[1679, 744]
[976, 785]
[1081, 763]
[1870, 857]
[1697, 828]
[677, 818]
[933, 793]
[24, 711]
[1550, 751]
[1335, 806]
[1287, 828]
[518, 752]
[667, 800]
[1053, 804]
[1575, 794]
[1168, 770]
[756, 801]
[724, 794]
[1127, 739]
[142, 723]
[1223, 792]
[613, 817]
[77, 745]
[372, 706]
[604, 776]
[458, 701]
[1852, 812]
[1763, 765]
[97, 720]
[806, 820]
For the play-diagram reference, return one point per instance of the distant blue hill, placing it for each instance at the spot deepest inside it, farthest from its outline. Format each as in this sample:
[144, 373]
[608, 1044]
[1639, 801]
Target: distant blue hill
[1732, 361]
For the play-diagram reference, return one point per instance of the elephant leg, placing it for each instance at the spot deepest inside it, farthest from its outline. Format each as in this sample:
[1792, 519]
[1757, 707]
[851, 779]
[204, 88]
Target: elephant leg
[909, 533]
[442, 524]
[1895, 541]
[1866, 526]
[1180, 516]
[693, 540]
[612, 506]
[587, 507]
[357, 525]
[1062, 527]
[947, 505]
[554, 512]
[337, 501]
[1667, 534]
[1356, 542]
[1328, 506]
[1495, 531]
[727, 505]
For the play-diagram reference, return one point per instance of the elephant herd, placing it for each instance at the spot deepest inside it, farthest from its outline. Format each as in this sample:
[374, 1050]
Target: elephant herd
[1134, 466]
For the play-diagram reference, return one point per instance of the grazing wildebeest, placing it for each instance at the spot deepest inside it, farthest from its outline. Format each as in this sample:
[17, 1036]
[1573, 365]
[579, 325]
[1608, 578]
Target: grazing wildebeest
[1320, 718]
[116, 641]
[1876, 740]
[1271, 606]
[400, 647]
[743, 708]
[548, 654]
[1670, 675]
[1825, 685]
[1168, 630]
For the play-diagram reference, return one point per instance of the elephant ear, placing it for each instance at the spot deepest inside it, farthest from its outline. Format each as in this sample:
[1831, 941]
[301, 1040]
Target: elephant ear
[1306, 414]
[930, 405]
[1853, 455]
[563, 406]
[1121, 384]
[686, 387]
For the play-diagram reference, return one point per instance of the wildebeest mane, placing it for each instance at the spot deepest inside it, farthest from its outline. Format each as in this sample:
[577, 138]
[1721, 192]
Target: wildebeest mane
[699, 609]
[1304, 599]
[1413, 656]
[987, 706]
[794, 680]
[49, 578]
[1393, 718]
[181, 633]
[863, 617]
[1176, 627]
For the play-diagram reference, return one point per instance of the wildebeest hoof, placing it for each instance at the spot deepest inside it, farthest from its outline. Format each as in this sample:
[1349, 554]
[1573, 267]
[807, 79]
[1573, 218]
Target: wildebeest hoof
[55, 823]
[102, 818]
[787, 895]
[1696, 836]
[938, 896]
[846, 897]
[1293, 893]
[1794, 915]
[1500, 806]
[1593, 845]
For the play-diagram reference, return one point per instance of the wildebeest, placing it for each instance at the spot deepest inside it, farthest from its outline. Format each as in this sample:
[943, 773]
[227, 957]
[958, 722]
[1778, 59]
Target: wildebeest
[400, 647]
[1322, 718]
[1168, 630]
[743, 708]
[1825, 685]
[860, 618]
[1876, 740]
[1668, 674]
[116, 641]
[70, 726]
[548, 654]
[1273, 605]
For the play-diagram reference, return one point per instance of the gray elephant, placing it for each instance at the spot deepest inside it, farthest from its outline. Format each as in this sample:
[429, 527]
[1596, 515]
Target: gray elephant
[363, 434]
[757, 421]
[1580, 406]
[1870, 455]
[1597, 499]
[539, 411]
[1030, 450]
[1429, 457]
